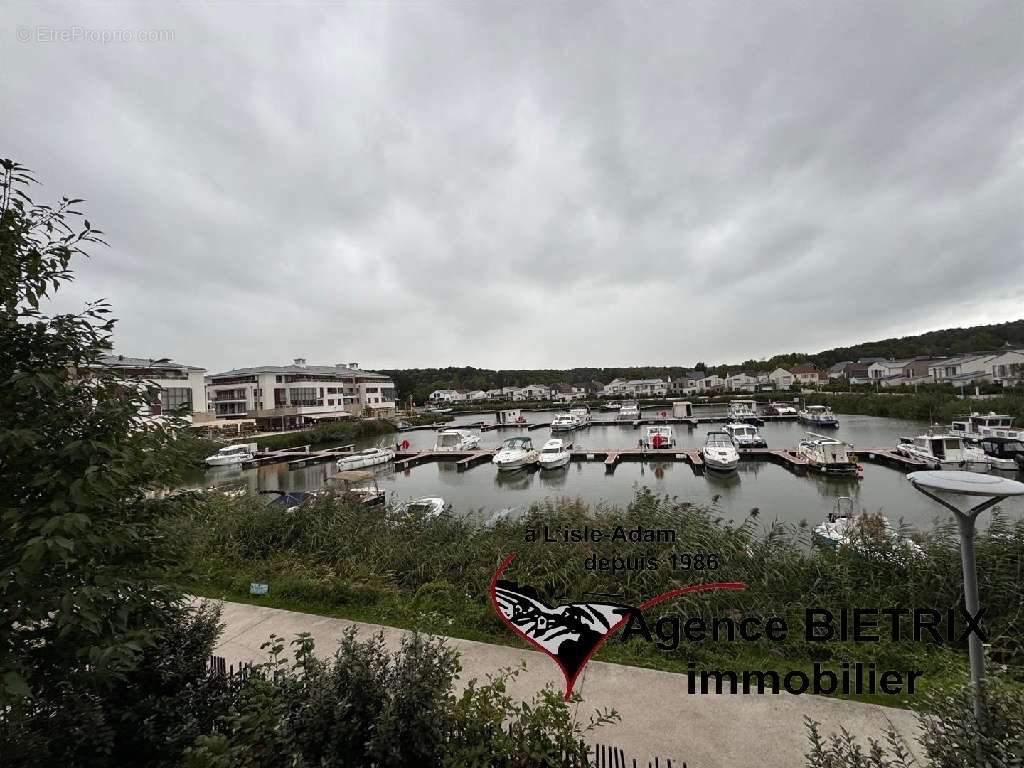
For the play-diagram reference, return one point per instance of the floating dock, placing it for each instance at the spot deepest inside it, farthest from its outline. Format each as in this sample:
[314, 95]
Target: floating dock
[300, 457]
[612, 457]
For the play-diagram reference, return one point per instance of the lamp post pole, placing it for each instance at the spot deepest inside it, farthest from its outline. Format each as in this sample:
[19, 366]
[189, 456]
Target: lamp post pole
[966, 520]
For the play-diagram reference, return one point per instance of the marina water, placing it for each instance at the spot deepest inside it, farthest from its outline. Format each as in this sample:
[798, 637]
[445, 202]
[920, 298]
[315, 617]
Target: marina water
[774, 491]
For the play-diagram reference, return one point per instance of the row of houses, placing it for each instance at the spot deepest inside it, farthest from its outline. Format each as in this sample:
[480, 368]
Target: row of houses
[1005, 368]
[264, 397]
[559, 392]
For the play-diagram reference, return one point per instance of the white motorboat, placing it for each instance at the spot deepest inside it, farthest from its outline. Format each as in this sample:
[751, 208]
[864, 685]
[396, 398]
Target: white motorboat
[232, 454]
[582, 415]
[370, 457]
[428, 506]
[629, 412]
[944, 451]
[780, 409]
[659, 437]
[367, 493]
[515, 453]
[745, 412]
[828, 455]
[745, 435]
[719, 452]
[554, 454]
[563, 422]
[991, 424]
[818, 416]
[612, 406]
[844, 528]
[1005, 453]
[456, 440]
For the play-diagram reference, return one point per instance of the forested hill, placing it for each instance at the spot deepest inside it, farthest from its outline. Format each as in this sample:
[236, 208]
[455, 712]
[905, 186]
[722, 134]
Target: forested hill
[420, 382]
[950, 341]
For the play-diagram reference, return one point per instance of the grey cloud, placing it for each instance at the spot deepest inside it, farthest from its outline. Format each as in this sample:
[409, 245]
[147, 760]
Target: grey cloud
[512, 184]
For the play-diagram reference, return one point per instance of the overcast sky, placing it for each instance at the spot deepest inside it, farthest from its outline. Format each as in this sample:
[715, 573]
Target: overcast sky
[528, 184]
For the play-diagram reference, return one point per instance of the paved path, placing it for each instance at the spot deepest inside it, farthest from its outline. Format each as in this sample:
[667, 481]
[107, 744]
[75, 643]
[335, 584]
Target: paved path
[658, 717]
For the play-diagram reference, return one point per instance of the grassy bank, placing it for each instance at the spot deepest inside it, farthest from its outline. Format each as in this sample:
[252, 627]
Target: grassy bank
[433, 574]
[427, 418]
[339, 431]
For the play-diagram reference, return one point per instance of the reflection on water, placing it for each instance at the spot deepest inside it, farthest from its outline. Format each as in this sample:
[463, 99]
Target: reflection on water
[775, 491]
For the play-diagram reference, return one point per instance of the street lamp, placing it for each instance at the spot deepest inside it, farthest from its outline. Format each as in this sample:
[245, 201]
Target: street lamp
[968, 484]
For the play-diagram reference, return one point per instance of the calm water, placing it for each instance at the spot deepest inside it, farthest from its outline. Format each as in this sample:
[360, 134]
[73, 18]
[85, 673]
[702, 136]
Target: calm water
[777, 493]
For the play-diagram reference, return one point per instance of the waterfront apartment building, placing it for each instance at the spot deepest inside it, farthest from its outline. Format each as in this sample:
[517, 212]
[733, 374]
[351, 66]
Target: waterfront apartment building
[296, 395]
[182, 387]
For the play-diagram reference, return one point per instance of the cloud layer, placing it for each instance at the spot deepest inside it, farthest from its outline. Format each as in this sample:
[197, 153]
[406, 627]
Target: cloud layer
[517, 185]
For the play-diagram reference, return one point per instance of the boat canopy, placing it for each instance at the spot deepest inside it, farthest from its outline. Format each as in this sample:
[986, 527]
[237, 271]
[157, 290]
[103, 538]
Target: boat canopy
[519, 442]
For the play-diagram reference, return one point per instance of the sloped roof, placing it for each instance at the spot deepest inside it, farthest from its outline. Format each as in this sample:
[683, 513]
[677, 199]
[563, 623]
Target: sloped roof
[121, 361]
[323, 370]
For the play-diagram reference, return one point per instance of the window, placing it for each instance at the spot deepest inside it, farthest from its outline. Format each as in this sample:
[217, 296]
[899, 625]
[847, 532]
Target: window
[372, 390]
[302, 396]
[330, 402]
[174, 399]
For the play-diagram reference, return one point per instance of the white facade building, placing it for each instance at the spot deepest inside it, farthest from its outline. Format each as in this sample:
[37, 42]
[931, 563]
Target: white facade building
[532, 392]
[714, 381]
[741, 382]
[446, 396]
[182, 387]
[962, 370]
[1008, 368]
[289, 396]
[781, 378]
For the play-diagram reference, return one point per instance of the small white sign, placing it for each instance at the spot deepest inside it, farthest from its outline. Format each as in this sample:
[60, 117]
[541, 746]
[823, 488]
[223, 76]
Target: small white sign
[258, 589]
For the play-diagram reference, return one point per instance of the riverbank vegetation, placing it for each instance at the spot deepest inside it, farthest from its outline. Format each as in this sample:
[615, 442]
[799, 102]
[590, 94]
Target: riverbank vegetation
[340, 432]
[433, 574]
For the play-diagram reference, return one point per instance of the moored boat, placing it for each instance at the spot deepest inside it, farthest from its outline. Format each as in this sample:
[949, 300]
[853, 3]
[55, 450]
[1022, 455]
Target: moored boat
[428, 506]
[456, 440]
[367, 492]
[1005, 453]
[582, 415]
[991, 424]
[818, 416]
[844, 528]
[554, 454]
[719, 452]
[659, 437]
[745, 411]
[563, 422]
[370, 457]
[629, 412]
[516, 453]
[230, 455]
[780, 409]
[828, 455]
[745, 435]
[944, 451]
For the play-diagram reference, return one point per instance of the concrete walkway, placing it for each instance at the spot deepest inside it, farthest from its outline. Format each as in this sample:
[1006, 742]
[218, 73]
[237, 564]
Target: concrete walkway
[658, 716]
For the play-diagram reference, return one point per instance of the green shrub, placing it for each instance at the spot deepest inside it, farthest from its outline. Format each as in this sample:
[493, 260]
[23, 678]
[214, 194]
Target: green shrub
[366, 706]
[951, 736]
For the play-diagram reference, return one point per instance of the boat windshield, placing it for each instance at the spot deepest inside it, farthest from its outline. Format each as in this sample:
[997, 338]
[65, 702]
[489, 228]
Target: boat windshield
[235, 449]
[553, 449]
[519, 443]
[448, 440]
[718, 440]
